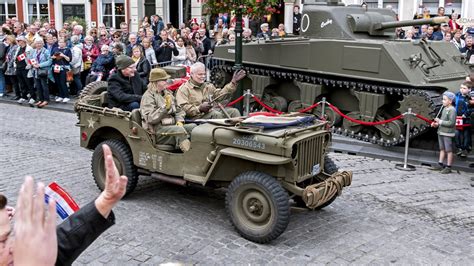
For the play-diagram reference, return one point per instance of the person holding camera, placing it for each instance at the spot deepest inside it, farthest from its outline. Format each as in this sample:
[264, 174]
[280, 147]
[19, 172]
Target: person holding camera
[165, 48]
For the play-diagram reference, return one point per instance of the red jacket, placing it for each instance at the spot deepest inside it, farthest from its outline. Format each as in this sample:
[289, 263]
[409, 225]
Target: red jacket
[94, 52]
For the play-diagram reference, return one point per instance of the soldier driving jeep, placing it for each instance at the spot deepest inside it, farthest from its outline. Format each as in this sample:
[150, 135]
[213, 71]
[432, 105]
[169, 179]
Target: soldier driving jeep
[160, 114]
[195, 96]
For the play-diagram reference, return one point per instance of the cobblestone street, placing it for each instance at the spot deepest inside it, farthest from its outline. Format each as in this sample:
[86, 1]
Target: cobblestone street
[386, 216]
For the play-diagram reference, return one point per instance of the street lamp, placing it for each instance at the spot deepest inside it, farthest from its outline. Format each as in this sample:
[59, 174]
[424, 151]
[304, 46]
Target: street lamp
[238, 49]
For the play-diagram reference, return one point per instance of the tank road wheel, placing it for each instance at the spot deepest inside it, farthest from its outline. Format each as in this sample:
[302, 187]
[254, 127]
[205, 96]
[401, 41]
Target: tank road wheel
[330, 168]
[295, 106]
[258, 206]
[394, 130]
[331, 116]
[123, 160]
[351, 126]
[220, 77]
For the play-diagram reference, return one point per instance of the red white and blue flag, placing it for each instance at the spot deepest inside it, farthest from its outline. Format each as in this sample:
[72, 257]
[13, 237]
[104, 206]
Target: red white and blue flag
[65, 204]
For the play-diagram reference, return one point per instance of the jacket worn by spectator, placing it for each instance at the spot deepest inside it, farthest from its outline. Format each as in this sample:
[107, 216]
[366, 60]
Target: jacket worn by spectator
[190, 95]
[43, 58]
[207, 45]
[10, 58]
[143, 69]
[103, 64]
[21, 64]
[61, 61]
[3, 54]
[79, 231]
[447, 123]
[164, 53]
[462, 106]
[123, 90]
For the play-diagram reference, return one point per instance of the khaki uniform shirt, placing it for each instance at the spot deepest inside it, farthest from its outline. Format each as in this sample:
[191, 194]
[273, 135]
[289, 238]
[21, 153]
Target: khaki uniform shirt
[154, 112]
[190, 96]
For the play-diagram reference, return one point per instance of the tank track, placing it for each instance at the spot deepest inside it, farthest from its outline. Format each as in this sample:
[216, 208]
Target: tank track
[433, 99]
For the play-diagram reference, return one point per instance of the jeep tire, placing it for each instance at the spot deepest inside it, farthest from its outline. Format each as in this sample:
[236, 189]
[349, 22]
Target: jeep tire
[258, 206]
[123, 161]
[94, 88]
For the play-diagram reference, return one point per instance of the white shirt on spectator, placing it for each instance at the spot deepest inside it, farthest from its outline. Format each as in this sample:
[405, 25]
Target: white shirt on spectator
[151, 56]
[181, 57]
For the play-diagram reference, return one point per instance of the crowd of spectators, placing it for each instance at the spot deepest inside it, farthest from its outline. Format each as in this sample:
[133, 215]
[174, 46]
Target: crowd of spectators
[461, 37]
[37, 60]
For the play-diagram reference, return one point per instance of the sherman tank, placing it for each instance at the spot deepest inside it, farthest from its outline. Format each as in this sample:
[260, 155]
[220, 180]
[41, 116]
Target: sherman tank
[350, 56]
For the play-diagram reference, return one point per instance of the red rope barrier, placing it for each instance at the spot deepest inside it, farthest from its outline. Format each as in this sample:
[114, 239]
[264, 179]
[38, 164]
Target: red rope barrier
[309, 108]
[235, 101]
[265, 106]
[424, 118]
[364, 123]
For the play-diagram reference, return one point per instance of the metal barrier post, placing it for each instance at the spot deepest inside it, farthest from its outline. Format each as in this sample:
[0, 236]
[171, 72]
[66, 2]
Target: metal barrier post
[406, 166]
[247, 103]
[323, 105]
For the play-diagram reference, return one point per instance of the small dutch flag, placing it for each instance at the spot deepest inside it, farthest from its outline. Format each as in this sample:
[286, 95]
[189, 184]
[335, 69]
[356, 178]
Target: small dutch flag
[65, 204]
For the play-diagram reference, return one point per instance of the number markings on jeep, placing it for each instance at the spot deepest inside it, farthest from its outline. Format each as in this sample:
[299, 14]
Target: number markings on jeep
[249, 142]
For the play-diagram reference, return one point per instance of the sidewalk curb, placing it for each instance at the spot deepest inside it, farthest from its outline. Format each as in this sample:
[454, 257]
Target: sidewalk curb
[60, 107]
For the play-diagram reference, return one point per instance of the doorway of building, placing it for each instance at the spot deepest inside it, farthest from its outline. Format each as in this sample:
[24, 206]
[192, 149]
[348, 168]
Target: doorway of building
[174, 12]
[150, 8]
[73, 11]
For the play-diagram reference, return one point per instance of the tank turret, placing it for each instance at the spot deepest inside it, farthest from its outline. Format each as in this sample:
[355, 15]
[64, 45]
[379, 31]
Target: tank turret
[333, 20]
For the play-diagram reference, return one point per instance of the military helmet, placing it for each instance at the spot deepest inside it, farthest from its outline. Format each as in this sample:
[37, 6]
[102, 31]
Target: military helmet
[157, 74]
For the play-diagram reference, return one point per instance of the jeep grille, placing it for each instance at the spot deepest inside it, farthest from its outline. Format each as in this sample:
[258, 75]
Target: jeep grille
[309, 152]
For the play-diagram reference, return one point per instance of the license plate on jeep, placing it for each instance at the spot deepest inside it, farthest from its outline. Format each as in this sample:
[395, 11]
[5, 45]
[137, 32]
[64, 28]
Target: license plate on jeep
[316, 169]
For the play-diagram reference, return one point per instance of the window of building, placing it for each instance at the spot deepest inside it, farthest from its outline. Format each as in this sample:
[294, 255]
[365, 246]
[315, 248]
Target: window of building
[7, 10]
[38, 9]
[392, 5]
[452, 6]
[372, 3]
[113, 13]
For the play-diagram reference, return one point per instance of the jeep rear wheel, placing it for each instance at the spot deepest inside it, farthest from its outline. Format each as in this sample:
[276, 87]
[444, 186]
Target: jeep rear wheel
[123, 159]
[258, 206]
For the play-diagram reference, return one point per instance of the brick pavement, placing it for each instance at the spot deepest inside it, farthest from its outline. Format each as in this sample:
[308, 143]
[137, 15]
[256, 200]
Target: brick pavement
[386, 216]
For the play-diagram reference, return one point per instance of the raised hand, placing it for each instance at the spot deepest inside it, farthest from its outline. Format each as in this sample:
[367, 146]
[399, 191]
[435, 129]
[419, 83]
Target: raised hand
[238, 75]
[33, 229]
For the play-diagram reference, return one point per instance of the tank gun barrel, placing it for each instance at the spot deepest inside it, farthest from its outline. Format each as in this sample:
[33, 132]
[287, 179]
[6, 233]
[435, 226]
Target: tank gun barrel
[404, 23]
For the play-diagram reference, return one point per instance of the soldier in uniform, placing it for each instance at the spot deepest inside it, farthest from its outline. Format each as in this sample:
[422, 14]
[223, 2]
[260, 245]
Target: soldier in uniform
[195, 96]
[160, 114]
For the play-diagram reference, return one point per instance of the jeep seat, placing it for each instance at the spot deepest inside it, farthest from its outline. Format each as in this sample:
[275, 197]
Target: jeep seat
[136, 117]
[103, 99]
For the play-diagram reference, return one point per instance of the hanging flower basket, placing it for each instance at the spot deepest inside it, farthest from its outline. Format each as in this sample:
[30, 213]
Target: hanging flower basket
[247, 7]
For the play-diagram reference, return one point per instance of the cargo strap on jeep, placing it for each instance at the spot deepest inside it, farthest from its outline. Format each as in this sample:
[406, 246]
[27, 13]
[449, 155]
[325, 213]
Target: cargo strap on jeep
[318, 194]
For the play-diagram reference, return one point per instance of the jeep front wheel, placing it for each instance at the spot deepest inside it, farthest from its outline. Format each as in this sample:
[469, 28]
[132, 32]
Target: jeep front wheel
[123, 159]
[258, 206]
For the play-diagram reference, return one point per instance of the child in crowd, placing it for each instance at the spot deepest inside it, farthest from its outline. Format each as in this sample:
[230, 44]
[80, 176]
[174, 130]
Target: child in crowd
[446, 125]
[463, 126]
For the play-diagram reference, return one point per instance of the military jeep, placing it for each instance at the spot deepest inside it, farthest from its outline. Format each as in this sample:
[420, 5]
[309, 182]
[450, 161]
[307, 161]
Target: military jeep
[262, 169]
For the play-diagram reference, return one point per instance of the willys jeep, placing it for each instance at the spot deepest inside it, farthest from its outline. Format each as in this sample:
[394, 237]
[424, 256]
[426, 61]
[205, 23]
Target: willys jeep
[262, 169]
